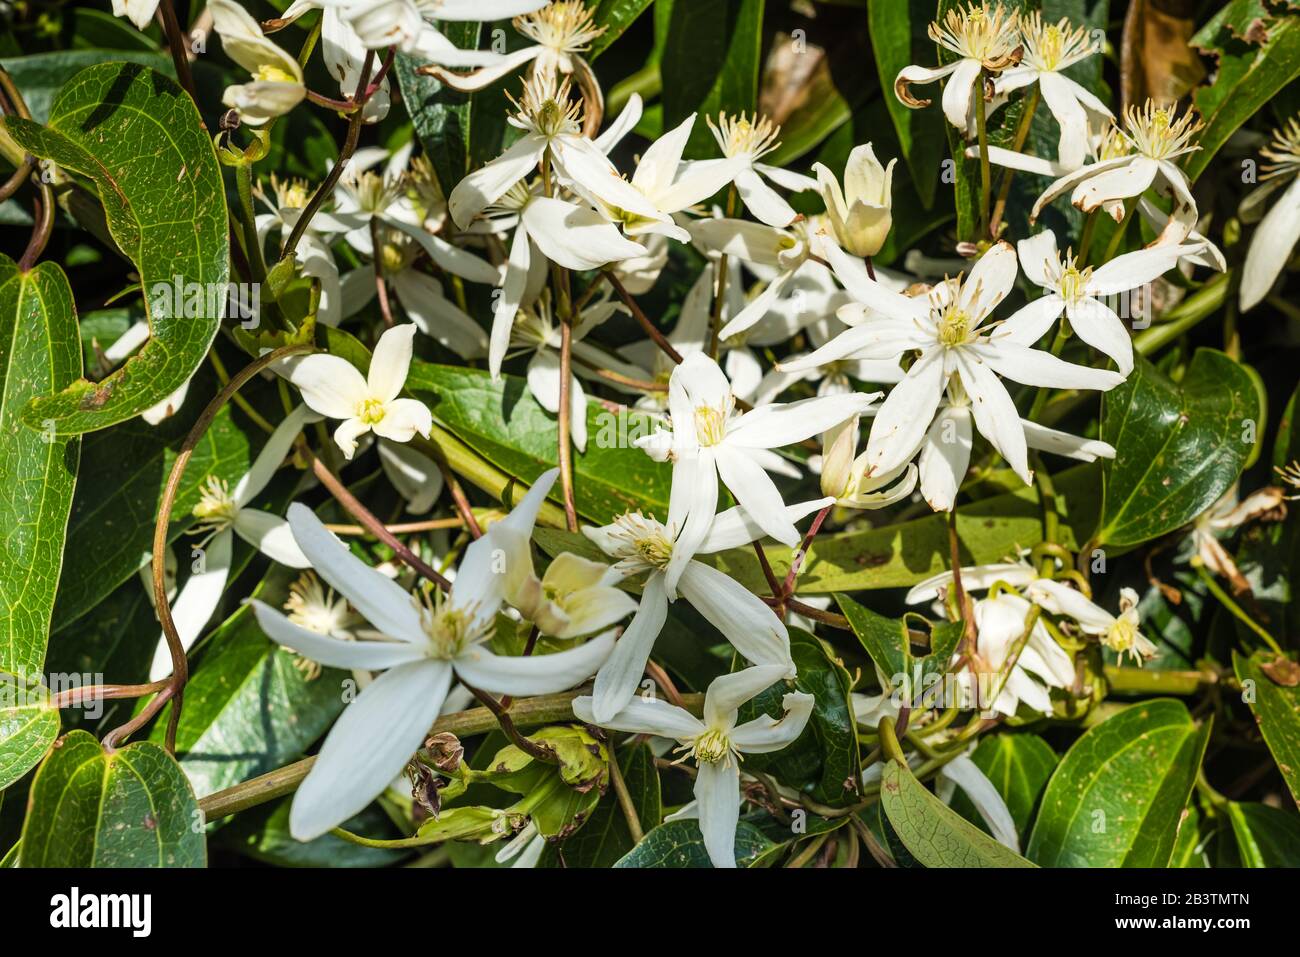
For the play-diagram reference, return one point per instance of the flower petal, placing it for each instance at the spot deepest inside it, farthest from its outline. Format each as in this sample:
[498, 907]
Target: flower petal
[536, 674]
[717, 793]
[752, 628]
[619, 676]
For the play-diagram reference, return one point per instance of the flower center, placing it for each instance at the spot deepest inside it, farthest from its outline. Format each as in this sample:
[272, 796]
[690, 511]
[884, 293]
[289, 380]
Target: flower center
[1122, 635]
[216, 508]
[984, 33]
[1155, 132]
[371, 411]
[546, 108]
[314, 607]
[392, 257]
[712, 746]
[654, 549]
[1284, 150]
[451, 630]
[1074, 281]
[269, 73]
[954, 327]
[566, 26]
[710, 425]
[742, 136]
[1053, 46]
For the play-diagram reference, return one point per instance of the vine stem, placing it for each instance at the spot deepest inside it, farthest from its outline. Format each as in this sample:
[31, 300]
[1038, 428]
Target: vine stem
[355, 122]
[642, 319]
[1236, 610]
[175, 685]
[528, 712]
[502, 714]
[369, 520]
[986, 178]
[565, 423]
[43, 214]
[625, 799]
[178, 47]
[1022, 134]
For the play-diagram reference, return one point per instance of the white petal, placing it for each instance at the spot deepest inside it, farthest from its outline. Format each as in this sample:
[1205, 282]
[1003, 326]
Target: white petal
[368, 746]
[329, 384]
[957, 93]
[486, 185]
[756, 493]
[390, 362]
[576, 237]
[1096, 324]
[1040, 258]
[773, 426]
[437, 316]
[736, 527]
[403, 419]
[974, 578]
[450, 258]
[698, 498]
[1062, 443]
[989, 281]
[1028, 324]
[270, 535]
[1270, 247]
[1060, 599]
[415, 476]
[334, 652]
[640, 716]
[1036, 367]
[717, 793]
[967, 775]
[379, 599]
[536, 674]
[995, 414]
[945, 456]
[196, 602]
[1123, 182]
[869, 292]
[766, 734]
[751, 627]
[271, 457]
[512, 296]
[1059, 96]
[620, 675]
[727, 693]
[906, 414]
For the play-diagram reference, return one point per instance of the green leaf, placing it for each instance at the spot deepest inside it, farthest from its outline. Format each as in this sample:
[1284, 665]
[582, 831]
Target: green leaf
[130, 808]
[898, 39]
[680, 844]
[712, 55]
[823, 760]
[889, 644]
[1266, 836]
[40, 353]
[40, 76]
[28, 726]
[459, 131]
[604, 838]
[263, 835]
[1277, 712]
[615, 16]
[1117, 796]
[110, 533]
[503, 423]
[1178, 447]
[138, 136]
[248, 708]
[1018, 765]
[1189, 848]
[1250, 73]
[935, 834]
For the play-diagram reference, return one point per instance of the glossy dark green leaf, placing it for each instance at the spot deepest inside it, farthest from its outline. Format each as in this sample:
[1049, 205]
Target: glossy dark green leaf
[504, 423]
[39, 354]
[1117, 796]
[110, 533]
[1178, 447]
[28, 726]
[712, 54]
[935, 834]
[898, 39]
[888, 642]
[249, 708]
[130, 808]
[1277, 712]
[680, 844]
[615, 16]
[605, 838]
[138, 136]
[823, 760]
[1266, 836]
[1250, 72]
[1018, 765]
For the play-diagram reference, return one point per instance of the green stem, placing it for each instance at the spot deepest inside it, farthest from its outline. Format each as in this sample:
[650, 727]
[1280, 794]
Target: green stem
[1236, 610]
[981, 127]
[1022, 134]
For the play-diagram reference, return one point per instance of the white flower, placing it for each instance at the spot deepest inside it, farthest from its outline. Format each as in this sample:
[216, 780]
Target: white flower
[139, 12]
[642, 544]
[780, 249]
[415, 476]
[1158, 139]
[716, 743]
[345, 55]
[551, 129]
[945, 450]
[745, 141]
[1049, 50]
[1042, 663]
[860, 213]
[560, 32]
[1119, 634]
[277, 85]
[944, 328]
[314, 606]
[426, 640]
[1278, 231]
[984, 38]
[222, 513]
[575, 596]
[1226, 515]
[844, 472]
[333, 387]
[1078, 293]
[710, 439]
[565, 233]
